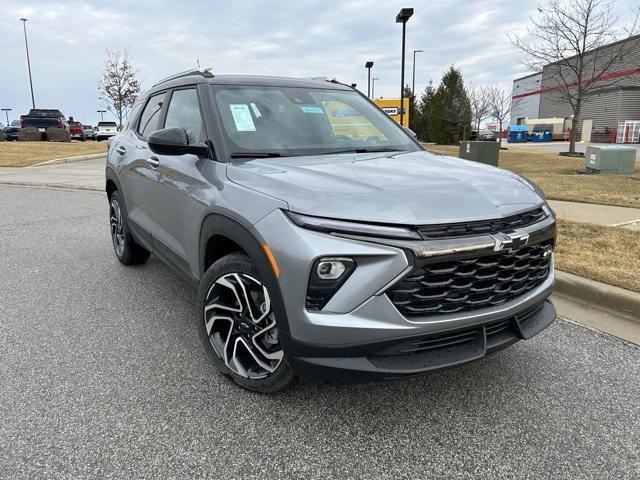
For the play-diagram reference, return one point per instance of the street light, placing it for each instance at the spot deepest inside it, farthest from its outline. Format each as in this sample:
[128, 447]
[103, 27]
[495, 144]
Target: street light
[368, 66]
[413, 83]
[26, 44]
[101, 112]
[402, 17]
[6, 111]
[373, 86]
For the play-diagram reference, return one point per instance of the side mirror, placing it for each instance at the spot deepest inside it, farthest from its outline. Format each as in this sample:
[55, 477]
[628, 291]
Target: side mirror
[410, 132]
[174, 141]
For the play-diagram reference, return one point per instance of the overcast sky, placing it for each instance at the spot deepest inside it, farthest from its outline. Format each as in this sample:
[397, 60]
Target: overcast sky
[68, 39]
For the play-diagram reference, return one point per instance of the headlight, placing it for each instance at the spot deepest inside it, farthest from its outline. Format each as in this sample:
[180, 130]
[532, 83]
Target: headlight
[329, 225]
[327, 276]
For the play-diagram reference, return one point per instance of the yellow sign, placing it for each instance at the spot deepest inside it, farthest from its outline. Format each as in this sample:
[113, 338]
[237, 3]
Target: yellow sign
[391, 106]
[347, 122]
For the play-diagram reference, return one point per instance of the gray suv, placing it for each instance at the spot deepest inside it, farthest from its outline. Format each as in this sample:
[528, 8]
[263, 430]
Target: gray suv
[325, 242]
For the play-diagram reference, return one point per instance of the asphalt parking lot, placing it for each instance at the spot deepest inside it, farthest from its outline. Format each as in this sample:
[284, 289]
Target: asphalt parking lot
[104, 376]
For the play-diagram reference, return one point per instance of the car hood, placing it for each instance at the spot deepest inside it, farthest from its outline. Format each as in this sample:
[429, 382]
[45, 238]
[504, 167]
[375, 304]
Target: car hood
[399, 188]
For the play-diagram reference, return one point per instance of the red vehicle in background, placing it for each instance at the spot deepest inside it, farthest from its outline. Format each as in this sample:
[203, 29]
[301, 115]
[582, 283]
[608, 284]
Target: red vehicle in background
[76, 131]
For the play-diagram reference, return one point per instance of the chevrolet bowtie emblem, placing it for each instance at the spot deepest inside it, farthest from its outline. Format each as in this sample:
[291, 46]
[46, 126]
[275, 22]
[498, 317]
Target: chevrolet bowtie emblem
[508, 242]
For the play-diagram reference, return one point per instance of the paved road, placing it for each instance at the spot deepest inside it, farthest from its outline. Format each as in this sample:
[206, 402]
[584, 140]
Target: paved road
[87, 174]
[103, 376]
[557, 147]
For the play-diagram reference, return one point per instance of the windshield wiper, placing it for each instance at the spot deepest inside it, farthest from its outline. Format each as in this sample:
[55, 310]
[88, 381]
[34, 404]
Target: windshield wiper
[365, 150]
[256, 155]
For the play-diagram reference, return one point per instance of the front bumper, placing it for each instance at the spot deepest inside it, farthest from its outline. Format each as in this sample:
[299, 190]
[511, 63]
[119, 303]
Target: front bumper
[353, 337]
[416, 355]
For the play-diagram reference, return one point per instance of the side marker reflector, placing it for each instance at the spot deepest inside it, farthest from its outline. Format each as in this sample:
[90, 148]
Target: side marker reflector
[272, 260]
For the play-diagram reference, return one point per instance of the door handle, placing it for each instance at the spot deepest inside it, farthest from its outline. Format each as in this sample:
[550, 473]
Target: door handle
[154, 162]
[121, 150]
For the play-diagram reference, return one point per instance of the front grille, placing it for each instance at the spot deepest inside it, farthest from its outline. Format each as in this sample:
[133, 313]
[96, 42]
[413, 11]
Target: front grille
[466, 229]
[469, 284]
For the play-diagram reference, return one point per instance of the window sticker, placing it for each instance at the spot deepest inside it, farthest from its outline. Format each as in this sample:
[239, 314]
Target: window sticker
[256, 112]
[311, 109]
[242, 117]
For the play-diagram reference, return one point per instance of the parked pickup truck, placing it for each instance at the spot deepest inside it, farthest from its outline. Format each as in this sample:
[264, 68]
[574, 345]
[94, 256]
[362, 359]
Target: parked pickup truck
[43, 119]
[76, 131]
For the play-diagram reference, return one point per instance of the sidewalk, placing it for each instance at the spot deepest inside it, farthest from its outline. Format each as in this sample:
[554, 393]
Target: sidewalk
[606, 215]
[87, 175]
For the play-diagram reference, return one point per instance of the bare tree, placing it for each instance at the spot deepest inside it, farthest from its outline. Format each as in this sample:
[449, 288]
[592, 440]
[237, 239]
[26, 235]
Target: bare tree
[565, 37]
[479, 100]
[118, 86]
[499, 106]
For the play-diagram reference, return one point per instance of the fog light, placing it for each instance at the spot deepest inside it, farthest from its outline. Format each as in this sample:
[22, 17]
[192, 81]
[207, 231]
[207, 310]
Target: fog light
[330, 269]
[327, 276]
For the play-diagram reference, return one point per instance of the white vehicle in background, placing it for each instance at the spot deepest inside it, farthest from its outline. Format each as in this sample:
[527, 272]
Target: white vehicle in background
[106, 130]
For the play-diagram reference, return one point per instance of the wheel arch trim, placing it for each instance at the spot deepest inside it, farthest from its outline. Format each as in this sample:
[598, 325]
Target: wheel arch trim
[251, 242]
[111, 175]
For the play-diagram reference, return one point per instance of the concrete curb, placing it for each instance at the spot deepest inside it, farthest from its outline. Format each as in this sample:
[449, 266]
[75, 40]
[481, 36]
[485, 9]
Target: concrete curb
[65, 186]
[79, 158]
[616, 300]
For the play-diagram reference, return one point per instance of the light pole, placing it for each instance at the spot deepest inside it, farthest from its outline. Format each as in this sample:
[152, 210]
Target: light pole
[373, 86]
[6, 111]
[101, 112]
[368, 66]
[403, 15]
[26, 44]
[413, 83]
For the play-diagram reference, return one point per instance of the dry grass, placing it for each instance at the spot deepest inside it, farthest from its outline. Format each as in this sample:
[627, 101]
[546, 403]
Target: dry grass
[606, 254]
[557, 176]
[21, 154]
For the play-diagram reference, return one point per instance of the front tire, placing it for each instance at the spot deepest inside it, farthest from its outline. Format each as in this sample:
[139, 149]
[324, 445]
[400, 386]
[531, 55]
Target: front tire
[238, 326]
[127, 250]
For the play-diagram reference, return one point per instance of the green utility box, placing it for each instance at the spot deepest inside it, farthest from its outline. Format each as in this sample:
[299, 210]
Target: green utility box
[610, 159]
[483, 152]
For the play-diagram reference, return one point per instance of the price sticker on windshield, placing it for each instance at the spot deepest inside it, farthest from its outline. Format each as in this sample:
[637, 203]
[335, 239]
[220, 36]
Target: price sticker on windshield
[242, 117]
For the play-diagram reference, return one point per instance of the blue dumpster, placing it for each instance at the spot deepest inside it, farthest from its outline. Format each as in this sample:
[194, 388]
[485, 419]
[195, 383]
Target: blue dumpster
[518, 133]
[542, 133]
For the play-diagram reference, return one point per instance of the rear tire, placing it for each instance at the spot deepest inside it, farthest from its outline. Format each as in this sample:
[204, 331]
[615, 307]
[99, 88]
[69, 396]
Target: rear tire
[238, 326]
[127, 250]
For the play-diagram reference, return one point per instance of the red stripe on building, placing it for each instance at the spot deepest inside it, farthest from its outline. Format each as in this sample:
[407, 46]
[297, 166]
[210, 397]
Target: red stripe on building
[609, 76]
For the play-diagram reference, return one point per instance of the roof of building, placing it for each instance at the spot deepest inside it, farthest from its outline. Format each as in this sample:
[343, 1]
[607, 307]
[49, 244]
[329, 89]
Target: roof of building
[527, 76]
[608, 45]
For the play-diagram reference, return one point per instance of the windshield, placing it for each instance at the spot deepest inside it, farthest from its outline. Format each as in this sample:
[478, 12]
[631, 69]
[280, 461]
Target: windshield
[106, 124]
[282, 121]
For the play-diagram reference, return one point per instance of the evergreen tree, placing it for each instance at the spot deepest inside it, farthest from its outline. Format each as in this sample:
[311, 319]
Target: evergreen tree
[422, 129]
[414, 113]
[449, 111]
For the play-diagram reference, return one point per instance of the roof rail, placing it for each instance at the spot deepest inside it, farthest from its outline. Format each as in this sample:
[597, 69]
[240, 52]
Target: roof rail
[337, 82]
[205, 72]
